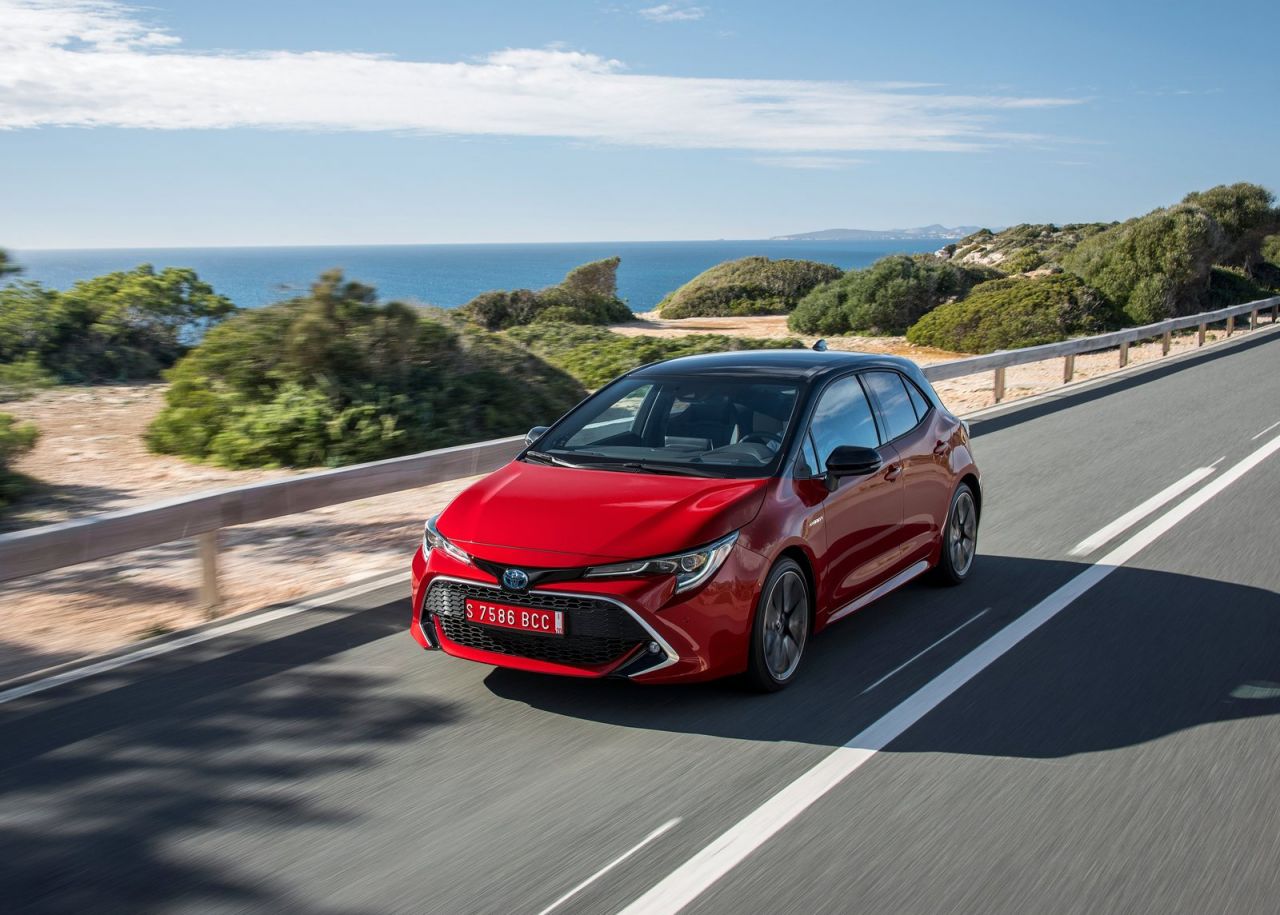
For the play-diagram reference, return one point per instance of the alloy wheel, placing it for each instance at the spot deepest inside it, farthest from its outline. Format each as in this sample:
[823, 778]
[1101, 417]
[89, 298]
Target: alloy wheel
[786, 625]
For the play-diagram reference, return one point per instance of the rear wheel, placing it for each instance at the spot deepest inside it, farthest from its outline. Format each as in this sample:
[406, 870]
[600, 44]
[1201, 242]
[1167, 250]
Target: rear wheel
[959, 538]
[780, 629]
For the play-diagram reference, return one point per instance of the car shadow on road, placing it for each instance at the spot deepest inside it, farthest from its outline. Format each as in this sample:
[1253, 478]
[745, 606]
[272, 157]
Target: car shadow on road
[1142, 655]
[105, 795]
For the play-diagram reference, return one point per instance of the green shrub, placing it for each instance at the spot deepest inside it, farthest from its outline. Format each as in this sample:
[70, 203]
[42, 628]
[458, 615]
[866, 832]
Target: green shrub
[16, 439]
[1155, 266]
[1232, 286]
[887, 297]
[124, 325]
[749, 286]
[1246, 215]
[1015, 312]
[596, 356]
[334, 378]
[19, 379]
[587, 295]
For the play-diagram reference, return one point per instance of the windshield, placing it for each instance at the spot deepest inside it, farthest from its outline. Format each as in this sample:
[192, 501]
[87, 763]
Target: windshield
[697, 426]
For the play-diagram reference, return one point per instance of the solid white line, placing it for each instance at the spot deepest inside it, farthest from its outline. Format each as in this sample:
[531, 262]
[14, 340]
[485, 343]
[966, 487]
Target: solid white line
[687, 882]
[1133, 516]
[1218, 461]
[919, 655]
[151, 651]
[664, 828]
[1265, 431]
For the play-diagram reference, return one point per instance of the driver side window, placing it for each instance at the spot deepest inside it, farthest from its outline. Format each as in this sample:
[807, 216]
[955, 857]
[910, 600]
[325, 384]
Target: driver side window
[842, 417]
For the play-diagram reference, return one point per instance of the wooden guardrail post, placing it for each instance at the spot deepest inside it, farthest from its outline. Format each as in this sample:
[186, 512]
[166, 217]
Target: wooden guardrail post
[1166, 342]
[1253, 319]
[210, 594]
[999, 384]
[1200, 336]
[1124, 354]
[1068, 368]
[1231, 324]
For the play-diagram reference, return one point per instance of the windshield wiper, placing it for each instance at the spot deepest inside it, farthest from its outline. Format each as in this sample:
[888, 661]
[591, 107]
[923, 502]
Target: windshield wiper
[543, 458]
[684, 470]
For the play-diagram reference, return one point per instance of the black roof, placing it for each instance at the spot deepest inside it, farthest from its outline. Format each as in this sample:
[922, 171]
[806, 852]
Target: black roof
[774, 363]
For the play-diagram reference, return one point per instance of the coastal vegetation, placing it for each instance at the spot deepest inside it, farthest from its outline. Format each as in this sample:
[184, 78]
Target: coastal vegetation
[333, 378]
[595, 356]
[1016, 311]
[748, 286]
[119, 327]
[887, 297]
[15, 440]
[587, 295]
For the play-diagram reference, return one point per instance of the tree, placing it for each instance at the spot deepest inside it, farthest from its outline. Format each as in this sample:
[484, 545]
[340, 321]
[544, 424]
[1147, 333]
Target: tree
[748, 286]
[7, 266]
[587, 295]
[1246, 214]
[887, 297]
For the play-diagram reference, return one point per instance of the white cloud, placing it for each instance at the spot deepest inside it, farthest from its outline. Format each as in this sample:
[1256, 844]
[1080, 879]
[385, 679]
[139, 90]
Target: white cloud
[672, 12]
[91, 63]
[808, 162]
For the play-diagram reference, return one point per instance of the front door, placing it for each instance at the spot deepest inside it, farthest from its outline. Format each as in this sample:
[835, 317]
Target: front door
[863, 515]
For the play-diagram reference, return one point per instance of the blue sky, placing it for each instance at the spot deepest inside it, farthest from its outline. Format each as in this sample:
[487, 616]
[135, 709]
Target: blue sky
[257, 123]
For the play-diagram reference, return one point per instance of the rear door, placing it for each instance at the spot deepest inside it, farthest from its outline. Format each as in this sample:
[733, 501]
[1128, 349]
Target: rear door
[908, 421]
[863, 515]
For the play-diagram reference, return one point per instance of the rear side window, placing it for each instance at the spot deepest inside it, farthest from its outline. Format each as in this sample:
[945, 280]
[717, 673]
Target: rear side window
[897, 415]
[917, 400]
[843, 417]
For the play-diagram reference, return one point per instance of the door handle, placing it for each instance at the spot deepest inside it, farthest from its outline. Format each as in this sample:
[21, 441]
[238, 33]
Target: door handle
[893, 471]
[942, 448]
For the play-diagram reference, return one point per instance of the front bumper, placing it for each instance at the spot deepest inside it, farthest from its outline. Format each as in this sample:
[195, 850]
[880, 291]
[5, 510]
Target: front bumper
[636, 628]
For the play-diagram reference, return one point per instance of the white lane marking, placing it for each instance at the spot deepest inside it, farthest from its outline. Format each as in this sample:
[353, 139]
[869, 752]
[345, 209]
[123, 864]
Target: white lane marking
[687, 882]
[919, 655]
[1218, 461]
[1265, 431]
[1130, 518]
[151, 651]
[664, 828]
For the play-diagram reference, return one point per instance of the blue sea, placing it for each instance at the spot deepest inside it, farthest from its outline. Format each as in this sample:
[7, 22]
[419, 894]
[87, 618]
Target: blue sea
[447, 275]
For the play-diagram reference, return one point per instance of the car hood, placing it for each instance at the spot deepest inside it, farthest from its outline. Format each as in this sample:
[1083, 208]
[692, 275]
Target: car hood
[566, 516]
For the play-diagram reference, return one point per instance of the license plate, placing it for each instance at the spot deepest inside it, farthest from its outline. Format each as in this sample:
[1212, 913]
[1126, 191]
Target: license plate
[523, 619]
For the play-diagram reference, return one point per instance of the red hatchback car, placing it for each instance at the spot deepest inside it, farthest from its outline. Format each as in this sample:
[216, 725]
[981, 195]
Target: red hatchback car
[703, 517]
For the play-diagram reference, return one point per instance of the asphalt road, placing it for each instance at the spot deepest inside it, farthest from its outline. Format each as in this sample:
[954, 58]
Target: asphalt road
[1121, 757]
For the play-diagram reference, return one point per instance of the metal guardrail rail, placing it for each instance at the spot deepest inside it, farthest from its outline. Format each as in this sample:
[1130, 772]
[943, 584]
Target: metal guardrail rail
[200, 517]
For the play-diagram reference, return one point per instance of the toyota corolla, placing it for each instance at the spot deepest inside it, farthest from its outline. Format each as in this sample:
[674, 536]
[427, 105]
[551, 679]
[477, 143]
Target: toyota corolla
[703, 517]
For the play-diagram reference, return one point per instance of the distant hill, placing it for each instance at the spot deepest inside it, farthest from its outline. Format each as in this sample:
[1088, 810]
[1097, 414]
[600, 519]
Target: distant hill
[933, 231]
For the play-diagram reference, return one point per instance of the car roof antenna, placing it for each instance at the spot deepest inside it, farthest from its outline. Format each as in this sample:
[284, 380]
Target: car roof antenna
[820, 346]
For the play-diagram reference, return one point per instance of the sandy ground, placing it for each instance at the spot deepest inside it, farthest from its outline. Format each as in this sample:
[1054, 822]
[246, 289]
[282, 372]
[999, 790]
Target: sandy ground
[91, 458]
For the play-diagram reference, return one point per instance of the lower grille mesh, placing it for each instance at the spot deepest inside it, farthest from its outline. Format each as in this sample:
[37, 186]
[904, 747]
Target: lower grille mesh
[597, 632]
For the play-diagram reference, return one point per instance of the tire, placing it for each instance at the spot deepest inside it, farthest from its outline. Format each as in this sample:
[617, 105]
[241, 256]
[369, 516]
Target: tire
[959, 548]
[780, 628]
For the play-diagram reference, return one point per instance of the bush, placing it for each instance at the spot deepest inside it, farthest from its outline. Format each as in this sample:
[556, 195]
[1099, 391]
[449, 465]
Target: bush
[1246, 214]
[749, 286]
[125, 325]
[1155, 266]
[887, 297]
[334, 378]
[587, 295]
[15, 440]
[1016, 312]
[596, 356]
[1232, 286]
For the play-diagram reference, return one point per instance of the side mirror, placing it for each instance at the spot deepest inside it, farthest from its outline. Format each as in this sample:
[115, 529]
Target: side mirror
[534, 434]
[851, 461]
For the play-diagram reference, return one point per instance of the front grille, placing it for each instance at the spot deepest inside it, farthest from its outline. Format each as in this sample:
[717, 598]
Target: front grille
[597, 632]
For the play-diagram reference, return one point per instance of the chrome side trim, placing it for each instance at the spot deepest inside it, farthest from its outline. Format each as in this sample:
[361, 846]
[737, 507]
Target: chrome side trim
[670, 652]
[892, 584]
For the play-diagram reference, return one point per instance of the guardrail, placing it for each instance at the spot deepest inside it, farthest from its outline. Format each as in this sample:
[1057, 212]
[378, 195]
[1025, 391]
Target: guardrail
[201, 517]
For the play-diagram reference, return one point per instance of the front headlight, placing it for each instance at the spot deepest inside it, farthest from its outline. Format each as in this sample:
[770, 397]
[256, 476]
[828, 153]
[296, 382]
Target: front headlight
[432, 539]
[690, 569]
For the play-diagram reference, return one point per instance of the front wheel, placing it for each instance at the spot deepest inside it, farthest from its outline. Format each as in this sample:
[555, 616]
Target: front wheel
[780, 628]
[959, 538]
